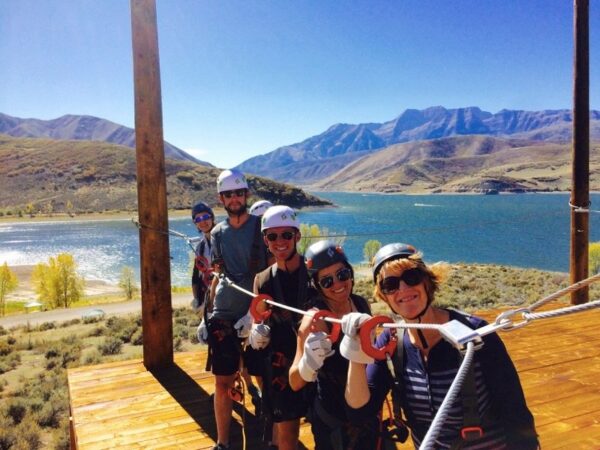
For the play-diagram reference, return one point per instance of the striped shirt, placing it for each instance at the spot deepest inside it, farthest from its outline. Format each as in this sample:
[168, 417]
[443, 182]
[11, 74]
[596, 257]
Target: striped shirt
[505, 418]
[426, 385]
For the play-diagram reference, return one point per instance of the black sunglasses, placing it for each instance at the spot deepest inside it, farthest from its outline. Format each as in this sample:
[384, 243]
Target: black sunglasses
[236, 192]
[411, 277]
[343, 274]
[286, 235]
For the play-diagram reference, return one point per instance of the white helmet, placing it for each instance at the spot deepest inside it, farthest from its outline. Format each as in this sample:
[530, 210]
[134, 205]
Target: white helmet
[279, 216]
[230, 180]
[258, 208]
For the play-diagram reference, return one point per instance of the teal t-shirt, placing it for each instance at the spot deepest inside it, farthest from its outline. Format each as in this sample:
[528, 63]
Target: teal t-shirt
[234, 246]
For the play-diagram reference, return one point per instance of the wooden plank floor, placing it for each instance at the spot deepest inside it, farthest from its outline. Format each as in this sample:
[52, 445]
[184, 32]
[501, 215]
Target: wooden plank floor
[121, 405]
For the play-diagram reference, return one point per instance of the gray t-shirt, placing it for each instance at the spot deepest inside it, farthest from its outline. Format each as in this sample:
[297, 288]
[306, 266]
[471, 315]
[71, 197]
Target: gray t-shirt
[234, 246]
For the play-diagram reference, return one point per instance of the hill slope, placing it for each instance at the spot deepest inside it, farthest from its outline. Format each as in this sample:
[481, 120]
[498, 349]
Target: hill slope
[50, 175]
[309, 161]
[86, 128]
[464, 164]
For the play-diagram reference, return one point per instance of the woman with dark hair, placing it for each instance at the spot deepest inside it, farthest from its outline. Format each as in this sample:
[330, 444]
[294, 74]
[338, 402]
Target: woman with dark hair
[318, 360]
[498, 417]
[204, 219]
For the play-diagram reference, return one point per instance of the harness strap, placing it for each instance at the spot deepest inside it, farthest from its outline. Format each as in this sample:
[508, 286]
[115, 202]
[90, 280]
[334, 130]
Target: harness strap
[332, 422]
[472, 421]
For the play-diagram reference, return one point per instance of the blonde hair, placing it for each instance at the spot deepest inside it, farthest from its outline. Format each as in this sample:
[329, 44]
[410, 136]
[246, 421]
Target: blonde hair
[434, 274]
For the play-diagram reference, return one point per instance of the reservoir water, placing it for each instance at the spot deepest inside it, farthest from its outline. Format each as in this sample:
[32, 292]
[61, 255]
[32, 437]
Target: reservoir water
[527, 230]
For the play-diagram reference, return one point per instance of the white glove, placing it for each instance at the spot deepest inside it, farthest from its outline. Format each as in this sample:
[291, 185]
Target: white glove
[198, 306]
[350, 347]
[317, 347]
[202, 333]
[260, 336]
[243, 326]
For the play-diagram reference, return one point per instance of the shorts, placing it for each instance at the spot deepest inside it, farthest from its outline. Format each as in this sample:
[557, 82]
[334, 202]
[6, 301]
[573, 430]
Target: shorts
[254, 361]
[285, 405]
[226, 350]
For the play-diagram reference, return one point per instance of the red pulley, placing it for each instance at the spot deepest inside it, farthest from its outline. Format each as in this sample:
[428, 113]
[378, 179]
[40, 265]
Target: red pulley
[259, 309]
[366, 343]
[334, 335]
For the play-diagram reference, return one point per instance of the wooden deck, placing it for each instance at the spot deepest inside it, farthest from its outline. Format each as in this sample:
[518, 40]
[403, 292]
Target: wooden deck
[121, 405]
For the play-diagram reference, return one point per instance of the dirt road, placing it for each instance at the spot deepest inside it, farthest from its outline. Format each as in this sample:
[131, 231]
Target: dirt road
[61, 315]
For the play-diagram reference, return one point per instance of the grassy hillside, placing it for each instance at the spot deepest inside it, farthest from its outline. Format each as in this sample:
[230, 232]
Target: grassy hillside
[464, 164]
[39, 175]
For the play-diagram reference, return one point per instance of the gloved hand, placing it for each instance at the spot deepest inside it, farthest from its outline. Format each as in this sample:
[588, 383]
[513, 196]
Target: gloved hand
[243, 326]
[260, 336]
[350, 347]
[198, 306]
[317, 347]
[202, 333]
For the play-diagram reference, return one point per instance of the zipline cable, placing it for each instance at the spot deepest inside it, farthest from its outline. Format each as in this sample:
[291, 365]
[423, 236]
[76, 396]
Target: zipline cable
[228, 282]
[442, 414]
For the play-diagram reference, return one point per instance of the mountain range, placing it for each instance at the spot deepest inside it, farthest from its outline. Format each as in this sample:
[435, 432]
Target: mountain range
[82, 128]
[309, 162]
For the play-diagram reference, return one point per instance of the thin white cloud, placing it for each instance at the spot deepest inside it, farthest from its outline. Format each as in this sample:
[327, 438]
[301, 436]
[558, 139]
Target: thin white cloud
[197, 152]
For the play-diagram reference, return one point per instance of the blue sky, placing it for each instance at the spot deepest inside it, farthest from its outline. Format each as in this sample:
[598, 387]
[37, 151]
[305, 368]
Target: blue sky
[243, 77]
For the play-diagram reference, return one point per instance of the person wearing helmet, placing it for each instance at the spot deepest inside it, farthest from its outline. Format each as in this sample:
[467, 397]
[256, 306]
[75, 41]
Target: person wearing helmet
[258, 208]
[493, 414]
[238, 252]
[318, 360]
[286, 281]
[204, 219]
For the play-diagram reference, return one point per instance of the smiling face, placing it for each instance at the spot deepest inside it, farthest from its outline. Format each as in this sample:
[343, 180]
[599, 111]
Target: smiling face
[281, 248]
[204, 226]
[409, 301]
[339, 291]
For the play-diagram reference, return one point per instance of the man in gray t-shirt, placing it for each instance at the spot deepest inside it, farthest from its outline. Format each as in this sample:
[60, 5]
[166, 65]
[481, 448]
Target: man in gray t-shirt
[234, 246]
[239, 252]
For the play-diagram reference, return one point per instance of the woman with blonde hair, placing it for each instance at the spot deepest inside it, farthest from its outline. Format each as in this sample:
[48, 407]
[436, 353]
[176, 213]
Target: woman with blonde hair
[489, 413]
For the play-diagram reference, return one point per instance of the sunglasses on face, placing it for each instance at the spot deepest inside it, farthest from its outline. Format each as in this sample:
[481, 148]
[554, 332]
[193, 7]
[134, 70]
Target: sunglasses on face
[286, 235]
[237, 193]
[411, 277]
[202, 218]
[342, 275]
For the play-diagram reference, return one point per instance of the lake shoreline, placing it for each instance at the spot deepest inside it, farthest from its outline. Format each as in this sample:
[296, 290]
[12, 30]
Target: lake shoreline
[219, 211]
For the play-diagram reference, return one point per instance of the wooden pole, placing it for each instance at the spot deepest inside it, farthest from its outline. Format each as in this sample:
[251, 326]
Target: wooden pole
[580, 196]
[152, 192]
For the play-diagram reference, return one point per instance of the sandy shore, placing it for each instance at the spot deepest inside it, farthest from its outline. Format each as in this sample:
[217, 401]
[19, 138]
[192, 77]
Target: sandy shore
[25, 292]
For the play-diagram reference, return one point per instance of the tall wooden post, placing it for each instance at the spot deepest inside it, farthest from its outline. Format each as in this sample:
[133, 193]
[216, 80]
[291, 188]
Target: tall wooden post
[152, 192]
[581, 150]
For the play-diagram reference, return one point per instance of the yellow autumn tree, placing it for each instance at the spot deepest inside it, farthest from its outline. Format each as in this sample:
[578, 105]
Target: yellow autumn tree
[127, 282]
[8, 283]
[313, 233]
[594, 258]
[57, 283]
[371, 247]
